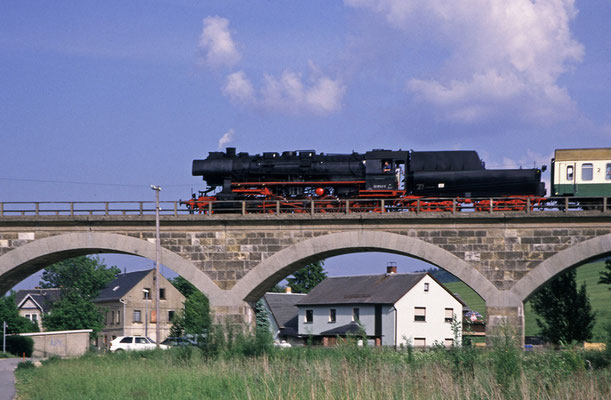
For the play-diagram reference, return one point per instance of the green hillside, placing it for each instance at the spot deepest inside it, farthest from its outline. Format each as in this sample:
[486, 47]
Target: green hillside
[600, 298]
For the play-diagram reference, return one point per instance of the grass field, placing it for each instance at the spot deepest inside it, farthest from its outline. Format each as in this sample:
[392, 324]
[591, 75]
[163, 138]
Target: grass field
[345, 372]
[600, 298]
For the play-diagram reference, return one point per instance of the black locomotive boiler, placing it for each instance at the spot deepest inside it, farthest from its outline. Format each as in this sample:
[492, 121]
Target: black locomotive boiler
[399, 176]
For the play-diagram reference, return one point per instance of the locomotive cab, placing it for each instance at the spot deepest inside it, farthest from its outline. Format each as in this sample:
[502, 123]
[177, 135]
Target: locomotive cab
[384, 169]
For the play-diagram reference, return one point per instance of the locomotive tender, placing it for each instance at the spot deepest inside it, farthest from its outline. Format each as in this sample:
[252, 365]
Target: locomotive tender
[400, 176]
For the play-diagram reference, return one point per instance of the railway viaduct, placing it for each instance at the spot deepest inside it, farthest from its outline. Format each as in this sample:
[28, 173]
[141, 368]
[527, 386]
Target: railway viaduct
[234, 259]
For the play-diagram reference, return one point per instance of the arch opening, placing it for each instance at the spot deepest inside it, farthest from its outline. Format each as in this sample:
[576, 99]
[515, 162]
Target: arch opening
[35, 256]
[291, 259]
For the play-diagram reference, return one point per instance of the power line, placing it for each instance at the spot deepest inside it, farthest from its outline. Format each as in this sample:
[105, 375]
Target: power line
[89, 183]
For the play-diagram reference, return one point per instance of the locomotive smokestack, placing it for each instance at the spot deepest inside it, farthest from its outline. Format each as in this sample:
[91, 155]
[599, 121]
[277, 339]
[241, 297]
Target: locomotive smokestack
[230, 152]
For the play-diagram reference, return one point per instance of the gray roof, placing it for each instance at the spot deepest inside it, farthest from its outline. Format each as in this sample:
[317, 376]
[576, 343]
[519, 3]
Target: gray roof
[122, 284]
[44, 297]
[362, 289]
[284, 310]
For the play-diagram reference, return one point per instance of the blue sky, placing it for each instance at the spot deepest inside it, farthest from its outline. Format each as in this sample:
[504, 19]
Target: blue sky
[100, 99]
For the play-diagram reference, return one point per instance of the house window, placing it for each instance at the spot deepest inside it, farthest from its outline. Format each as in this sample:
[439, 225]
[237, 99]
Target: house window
[587, 172]
[569, 173]
[356, 314]
[420, 314]
[137, 316]
[309, 316]
[106, 318]
[449, 315]
[118, 317]
[420, 342]
[170, 315]
[146, 293]
[426, 286]
[112, 317]
[448, 342]
[35, 318]
[332, 314]
[161, 294]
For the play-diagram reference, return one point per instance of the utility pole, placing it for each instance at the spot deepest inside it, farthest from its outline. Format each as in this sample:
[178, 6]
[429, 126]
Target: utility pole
[147, 296]
[157, 189]
[4, 336]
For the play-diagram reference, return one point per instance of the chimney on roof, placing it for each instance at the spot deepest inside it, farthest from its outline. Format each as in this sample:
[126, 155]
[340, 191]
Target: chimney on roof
[288, 290]
[391, 268]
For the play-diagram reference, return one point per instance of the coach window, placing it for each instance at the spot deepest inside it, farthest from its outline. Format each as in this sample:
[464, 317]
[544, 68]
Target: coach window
[569, 173]
[608, 173]
[587, 172]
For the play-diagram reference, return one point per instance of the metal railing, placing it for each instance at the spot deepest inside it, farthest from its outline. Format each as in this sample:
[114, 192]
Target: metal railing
[315, 206]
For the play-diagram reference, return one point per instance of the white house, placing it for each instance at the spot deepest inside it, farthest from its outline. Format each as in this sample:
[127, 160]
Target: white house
[393, 309]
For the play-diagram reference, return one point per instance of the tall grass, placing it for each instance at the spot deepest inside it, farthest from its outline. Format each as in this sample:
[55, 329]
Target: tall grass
[239, 367]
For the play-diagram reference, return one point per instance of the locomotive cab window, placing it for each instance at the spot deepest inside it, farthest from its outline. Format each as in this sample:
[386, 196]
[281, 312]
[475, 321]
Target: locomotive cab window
[386, 166]
[587, 172]
[569, 173]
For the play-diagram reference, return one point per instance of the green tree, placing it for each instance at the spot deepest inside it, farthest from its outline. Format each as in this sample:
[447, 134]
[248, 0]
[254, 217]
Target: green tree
[80, 280]
[605, 276]
[566, 313]
[194, 318]
[261, 315]
[86, 276]
[10, 314]
[307, 278]
[185, 287]
[74, 312]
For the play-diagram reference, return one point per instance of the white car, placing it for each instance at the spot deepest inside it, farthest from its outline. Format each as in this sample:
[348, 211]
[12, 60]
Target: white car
[283, 344]
[134, 343]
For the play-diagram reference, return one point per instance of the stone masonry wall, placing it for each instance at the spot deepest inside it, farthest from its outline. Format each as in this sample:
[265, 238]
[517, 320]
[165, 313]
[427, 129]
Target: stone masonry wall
[502, 252]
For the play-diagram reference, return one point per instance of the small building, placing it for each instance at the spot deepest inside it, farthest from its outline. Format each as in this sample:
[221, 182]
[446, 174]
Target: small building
[389, 309]
[282, 312]
[128, 304]
[34, 303]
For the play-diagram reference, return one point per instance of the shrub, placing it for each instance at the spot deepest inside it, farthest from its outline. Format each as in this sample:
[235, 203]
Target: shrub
[597, 359]
[506, 356]
[25, 365]
[19, 345]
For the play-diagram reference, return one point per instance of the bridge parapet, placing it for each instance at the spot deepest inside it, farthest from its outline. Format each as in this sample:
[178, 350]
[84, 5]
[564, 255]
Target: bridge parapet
[311, 206]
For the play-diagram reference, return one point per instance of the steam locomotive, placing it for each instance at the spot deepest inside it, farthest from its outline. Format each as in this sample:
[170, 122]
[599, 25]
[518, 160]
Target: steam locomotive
[375, 180]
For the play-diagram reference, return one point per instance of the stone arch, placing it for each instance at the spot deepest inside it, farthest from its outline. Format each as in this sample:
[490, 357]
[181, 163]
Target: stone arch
[254, 284]
[574, 256]
[25, 260]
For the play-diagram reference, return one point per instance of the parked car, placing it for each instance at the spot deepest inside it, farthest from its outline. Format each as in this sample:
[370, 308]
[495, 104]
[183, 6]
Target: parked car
[282, 344]
[179, 341]
[134, 343]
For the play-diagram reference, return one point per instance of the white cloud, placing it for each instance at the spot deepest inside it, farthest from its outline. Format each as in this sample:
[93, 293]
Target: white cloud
[287, 93]
[502, 52]
[226, 139]
[216, 45]
[238, 88]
